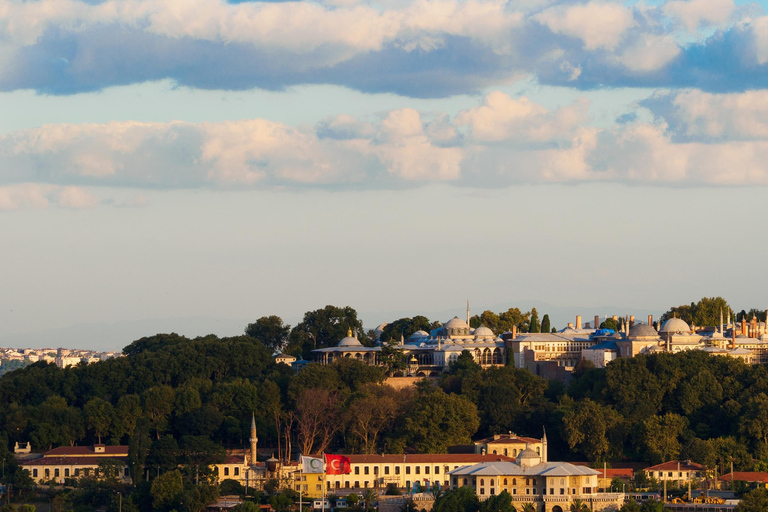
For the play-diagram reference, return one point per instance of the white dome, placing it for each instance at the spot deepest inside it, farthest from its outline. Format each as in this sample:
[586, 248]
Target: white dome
[380, 328]
[484, 332]
[456, 323]
[675, 325]
[349, 341]
[419, 334]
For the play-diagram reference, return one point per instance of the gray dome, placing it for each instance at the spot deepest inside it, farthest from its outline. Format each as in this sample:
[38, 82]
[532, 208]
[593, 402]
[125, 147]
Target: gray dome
[675, 325]
[642, 330]
[349, 341]
[456, 323]
[419, 334]
[528, 456]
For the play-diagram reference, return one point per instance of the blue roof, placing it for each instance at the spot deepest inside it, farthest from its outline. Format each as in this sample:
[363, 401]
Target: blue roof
[605, 345]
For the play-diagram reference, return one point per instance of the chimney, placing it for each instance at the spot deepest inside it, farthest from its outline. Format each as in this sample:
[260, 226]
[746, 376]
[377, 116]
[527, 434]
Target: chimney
[615, 318]
[597, 322]
[578, 321]
[570, 325]
[753, 328]
[514, 331]
[631, 320]
[744, 326]
[650, 319]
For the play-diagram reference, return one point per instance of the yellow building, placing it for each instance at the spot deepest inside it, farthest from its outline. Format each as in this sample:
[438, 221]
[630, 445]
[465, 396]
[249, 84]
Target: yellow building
[549, 486]
[69, 462]
[405, 471]
[511, 445]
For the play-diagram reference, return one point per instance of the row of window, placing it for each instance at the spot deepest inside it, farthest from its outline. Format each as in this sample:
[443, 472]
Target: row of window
[77, 472]
[235, 473]
[671, 474]
[417, 470]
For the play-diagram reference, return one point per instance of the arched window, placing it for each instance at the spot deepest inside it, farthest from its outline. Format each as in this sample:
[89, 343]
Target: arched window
[465, 481]
[505, 481]
[482, 481]
[514, 481]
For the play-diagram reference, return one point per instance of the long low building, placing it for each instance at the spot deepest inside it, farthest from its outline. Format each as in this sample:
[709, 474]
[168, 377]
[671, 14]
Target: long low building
[69, 462]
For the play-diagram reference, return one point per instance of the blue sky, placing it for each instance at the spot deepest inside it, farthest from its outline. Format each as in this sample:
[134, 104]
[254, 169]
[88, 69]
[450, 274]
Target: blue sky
[172, 161]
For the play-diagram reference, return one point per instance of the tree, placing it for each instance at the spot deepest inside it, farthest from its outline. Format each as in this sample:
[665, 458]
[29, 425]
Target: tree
[99, 415]
[545, 324]
[534, 327]
[587, 425]
[158, 404]
[324, 328]
[630, 506]
[755, 500]
[661, 436]
[436, 420]
[702, 313]
[370, 413]
[578, 506]
[270, 330]
[498, 503]
[317, 415]
[166, 490]
[404, 327]
[369, 496]
[610, 323]
[462, 499]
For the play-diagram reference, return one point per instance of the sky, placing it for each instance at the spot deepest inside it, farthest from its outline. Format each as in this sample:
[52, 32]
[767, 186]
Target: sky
[192, 165]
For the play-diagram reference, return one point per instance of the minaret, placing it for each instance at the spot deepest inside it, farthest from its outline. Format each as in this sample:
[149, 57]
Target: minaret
[544, 446]
[254, 439]
[721, 321]
[467, 311]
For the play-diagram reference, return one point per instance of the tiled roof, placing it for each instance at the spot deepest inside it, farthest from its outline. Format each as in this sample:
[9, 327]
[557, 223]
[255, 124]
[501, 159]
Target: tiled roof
[427, 458]
[85, 451]
[675, 465]
[70, 461]
[233, 459]
[615, 472]
[745, 476]
[510, 468]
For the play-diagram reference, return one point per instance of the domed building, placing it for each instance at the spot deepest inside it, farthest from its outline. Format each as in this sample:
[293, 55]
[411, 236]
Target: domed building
[428, 354]
[678, 336]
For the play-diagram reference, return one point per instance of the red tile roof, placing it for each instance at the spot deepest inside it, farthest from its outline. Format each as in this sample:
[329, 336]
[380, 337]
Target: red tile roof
[233, 459]
[673, 465]
[745, 476]
[85, 451]
[428, 458]
[615, 472]
[70, 461]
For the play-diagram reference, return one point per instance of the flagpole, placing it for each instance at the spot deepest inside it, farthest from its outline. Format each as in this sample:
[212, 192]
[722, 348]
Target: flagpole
[301, 480]
[323, 481]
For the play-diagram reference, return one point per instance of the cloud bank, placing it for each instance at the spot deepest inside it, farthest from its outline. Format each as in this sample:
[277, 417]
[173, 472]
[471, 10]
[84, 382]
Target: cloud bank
[697, 138]
[424, 48]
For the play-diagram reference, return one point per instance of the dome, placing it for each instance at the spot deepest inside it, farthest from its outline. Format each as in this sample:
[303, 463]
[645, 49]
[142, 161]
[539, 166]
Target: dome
[419, 334]
[484, 332]
[380, 328]
[528, 457]
[456, 323]
[642, 330]
[675, 325]
[350, 341]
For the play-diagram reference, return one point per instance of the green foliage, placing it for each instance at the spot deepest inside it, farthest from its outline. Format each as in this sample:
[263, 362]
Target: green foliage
[534, 325]
[462, 499]
[630, 506]
[705, 312]
[166, 490]
[587, 425]
[545, 324]
[392, 490]
[231, 487]
[404, 327]
[324, 328]
[755, 500]
[498, 503]
[436, 420]
[502, 322]
[270, 330]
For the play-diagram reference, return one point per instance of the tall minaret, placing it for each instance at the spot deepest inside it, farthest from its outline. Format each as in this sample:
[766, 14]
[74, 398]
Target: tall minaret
[544, 446]
[467, 311]
[254, 439]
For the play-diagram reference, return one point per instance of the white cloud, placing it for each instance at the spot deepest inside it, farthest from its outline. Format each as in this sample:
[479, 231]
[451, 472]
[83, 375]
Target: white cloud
[41, 195]
[502, 141]
[695, 13]
[502, 117]
[597, 24]
[649, 53]
[699, 115]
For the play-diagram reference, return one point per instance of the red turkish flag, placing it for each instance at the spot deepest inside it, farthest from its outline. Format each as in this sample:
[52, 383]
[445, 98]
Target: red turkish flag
[337, 465]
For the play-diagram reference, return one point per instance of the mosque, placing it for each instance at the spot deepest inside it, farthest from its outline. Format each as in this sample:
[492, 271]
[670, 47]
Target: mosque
[428, 353]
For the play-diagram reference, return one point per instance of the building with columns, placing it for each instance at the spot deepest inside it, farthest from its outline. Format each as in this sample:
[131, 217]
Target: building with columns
[427, 353]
